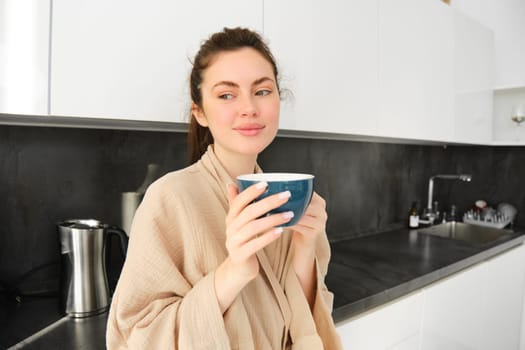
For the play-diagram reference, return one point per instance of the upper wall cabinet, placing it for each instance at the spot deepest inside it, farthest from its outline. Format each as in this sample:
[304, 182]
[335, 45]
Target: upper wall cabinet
[474, 70]
[131, 59]
[24, 56]
[406, 69]
[416, 70]
[507, 19]
[328, 63]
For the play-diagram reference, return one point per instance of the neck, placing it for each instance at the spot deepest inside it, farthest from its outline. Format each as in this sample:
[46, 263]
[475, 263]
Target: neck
[236, 164]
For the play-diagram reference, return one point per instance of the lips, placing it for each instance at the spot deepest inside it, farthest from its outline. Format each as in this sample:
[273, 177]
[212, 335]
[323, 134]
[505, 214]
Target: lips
[249, 129]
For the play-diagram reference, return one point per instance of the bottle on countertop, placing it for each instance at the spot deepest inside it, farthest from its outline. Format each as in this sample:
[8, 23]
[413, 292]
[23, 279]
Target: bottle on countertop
[130, 201]
[453, 214]
[413, 216]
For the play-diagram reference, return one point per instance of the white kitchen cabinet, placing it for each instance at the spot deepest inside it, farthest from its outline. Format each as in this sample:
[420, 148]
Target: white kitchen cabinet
[522, 337]
[503, 296]
[413, 70]
[328, 61]
[478, 308]
[474, 71]
[24, 56]
[506, 19]
[411, 343]
[452, 317]
[481, 307]
[416, 65]
[410, 69]
[131, 59]
[388, 326]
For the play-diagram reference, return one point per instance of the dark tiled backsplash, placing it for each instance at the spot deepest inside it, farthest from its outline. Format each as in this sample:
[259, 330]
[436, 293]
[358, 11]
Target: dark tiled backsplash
[370, 186]
[51, 174]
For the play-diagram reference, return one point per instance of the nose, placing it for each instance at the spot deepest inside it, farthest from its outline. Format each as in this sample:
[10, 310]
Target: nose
[248, 107]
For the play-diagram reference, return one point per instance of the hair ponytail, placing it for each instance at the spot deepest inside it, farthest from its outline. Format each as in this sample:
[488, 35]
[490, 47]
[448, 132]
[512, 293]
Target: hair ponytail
[199, 138]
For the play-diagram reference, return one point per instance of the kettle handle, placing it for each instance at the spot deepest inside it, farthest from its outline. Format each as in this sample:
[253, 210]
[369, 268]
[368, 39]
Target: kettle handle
[121, 234]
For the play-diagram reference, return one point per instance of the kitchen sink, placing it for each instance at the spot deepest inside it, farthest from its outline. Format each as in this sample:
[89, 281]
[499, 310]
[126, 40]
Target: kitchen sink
[466, 232]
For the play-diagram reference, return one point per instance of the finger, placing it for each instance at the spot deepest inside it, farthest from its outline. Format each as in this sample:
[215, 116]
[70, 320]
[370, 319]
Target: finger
[262, 207]
[245, 197]
[317, 208]
[310, 223]
[315, 214]
[256, 244]
[317, 202]
[317, 197]
[305, 229]
[259, 226]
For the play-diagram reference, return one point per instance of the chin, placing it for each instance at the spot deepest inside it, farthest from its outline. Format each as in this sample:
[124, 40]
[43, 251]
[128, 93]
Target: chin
[254, 148]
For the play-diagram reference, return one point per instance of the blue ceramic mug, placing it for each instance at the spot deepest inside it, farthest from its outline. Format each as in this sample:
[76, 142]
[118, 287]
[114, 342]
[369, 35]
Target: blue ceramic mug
[301, 187]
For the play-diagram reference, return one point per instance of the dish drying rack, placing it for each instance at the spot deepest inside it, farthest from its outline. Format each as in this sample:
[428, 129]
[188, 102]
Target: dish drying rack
[497, 220]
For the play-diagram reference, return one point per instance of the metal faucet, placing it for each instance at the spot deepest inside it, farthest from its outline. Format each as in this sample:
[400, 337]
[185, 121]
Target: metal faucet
[462, 177]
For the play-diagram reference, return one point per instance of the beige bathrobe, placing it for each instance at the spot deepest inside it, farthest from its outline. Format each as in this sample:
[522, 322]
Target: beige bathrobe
[165, 297]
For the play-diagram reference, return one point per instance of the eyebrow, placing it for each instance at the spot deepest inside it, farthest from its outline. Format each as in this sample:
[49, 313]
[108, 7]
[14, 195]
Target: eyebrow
[232, 84]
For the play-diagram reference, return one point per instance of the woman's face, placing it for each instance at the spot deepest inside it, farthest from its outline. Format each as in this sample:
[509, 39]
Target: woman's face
[240, 103]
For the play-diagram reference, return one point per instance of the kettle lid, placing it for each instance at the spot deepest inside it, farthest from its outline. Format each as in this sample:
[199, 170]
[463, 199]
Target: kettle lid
[82, 224]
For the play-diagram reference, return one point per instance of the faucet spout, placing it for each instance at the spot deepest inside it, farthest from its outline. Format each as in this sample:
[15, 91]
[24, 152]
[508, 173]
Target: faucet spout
[462, 177]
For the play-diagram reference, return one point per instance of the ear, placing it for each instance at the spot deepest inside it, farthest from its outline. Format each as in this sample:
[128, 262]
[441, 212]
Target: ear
[198, 114]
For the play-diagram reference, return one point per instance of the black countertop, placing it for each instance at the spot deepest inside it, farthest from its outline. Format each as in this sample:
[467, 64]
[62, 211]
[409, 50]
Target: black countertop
[68, 333]
[364, 272]
[19, 320]
[372, 270]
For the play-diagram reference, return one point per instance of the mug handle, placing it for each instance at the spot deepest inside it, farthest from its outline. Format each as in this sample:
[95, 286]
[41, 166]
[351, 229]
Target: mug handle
[123, 238]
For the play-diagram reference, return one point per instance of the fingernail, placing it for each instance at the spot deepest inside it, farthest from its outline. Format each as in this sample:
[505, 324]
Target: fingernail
[288, 214]
[285, 194]
[261, 184]
[278, 231]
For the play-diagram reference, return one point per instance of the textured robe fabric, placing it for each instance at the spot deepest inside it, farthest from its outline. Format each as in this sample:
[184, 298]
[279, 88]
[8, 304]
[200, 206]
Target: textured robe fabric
[165, 297]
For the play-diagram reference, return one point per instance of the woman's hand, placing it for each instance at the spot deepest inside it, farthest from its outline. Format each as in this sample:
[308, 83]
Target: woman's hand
[305, 234]
[248, 230]
[311, 225]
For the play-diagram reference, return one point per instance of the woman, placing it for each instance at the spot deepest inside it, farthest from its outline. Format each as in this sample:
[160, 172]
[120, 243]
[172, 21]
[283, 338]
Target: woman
[205, 269]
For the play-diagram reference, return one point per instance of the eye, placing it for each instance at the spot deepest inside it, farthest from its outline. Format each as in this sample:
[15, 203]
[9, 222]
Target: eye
[263, 92]
[226, 96]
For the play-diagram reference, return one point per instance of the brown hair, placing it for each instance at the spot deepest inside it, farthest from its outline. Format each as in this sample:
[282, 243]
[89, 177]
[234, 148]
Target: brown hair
[229, 39]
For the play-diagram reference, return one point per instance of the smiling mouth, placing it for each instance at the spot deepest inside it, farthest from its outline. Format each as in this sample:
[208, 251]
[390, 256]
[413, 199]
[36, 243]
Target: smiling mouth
[249, 130]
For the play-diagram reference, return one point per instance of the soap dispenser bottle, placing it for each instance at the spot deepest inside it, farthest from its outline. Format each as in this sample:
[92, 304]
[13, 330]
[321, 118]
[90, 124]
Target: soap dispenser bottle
[413, 216]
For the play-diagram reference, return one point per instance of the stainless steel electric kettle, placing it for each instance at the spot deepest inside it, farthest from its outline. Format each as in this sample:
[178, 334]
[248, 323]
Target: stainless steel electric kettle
[85, 288]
